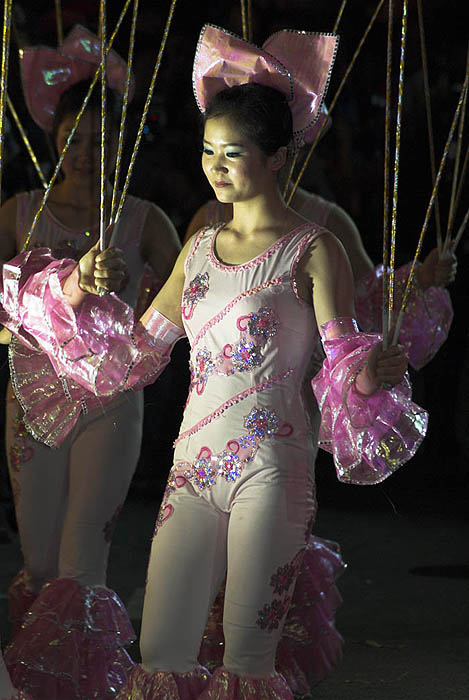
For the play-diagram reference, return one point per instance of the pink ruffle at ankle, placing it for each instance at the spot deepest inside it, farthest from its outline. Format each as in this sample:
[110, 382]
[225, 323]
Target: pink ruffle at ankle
[227, 686]
[70, 646]
[20, 599]
[310, 645]
[142, 685]
[19, 695]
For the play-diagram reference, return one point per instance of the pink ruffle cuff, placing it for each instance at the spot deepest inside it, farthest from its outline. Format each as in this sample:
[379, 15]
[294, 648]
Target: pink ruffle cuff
[71, 644]
[369, 436]
[427, 319]
[142, 685]
[98, 344]
[227, 686]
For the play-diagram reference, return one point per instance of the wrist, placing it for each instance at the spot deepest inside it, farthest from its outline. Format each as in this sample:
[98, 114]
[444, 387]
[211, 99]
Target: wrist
[365, 383]
[72, 289]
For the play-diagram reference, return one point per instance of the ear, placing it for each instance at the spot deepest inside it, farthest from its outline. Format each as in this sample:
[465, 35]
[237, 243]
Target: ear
[279, 158]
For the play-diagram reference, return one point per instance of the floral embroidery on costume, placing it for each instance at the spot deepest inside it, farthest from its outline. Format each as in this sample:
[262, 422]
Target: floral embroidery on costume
[110, 526]
[21, 451]
[197, 290]
[281, 581]
[242, 356]
[271, 614]
[175, 481]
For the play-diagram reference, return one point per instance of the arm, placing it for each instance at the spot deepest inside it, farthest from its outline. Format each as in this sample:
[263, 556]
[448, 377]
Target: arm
[343, 226]
[160, 243]
[369, 430]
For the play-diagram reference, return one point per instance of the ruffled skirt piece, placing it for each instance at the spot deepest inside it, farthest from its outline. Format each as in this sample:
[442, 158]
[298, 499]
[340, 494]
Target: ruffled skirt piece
[71, 643]
[19, 695]
[310, 645]
[227, 686]
[164, 685]
[20, 599]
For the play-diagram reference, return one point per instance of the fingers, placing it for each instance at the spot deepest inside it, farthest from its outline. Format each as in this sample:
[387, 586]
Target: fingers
[391, 365]
[110, 270]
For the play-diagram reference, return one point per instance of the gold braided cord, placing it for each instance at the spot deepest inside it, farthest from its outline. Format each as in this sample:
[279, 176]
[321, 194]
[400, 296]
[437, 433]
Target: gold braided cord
[429, 209]
[462, 178]
[249, 19]
[457, 159]
[125, 102]
[244, 21]
[74, 128]
[460, 232]
[26, 141]
[145, 111]
[334, 100]
[102, 183]
[58, 19]
[4, 76]
[339, 16]
[387, 160]
[392, 259]
[428, 109]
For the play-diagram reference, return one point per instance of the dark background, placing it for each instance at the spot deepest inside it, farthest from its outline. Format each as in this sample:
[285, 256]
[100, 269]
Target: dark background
[347, 167]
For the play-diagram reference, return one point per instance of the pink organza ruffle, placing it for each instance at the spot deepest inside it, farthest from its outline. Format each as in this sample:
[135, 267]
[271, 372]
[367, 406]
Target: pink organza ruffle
[98, 345]
[70, 646]
[227, 686]
[369, 436]
[20, 599]
[427, 320]
[310, 645]
[142, 685]
[19, 695]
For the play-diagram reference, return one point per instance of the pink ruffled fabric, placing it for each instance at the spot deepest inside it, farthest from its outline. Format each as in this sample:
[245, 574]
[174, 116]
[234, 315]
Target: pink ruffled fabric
[71, 644]
[310, 645]
[19, 695]
[164, 685]
[369, 436]
[226, 686]
[427, 320]
[98, 345]
[20, 599]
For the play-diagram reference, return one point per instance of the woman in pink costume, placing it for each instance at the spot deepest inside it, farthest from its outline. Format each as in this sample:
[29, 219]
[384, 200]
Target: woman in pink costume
[72, 456]
[252, 296]
[310, 644]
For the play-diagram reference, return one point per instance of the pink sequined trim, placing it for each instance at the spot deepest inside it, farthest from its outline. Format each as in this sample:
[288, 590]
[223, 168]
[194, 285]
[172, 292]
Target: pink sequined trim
[259, 258]
[216, 319]
[227, 686]
[142, 685]
[195, 244]
[231, 402]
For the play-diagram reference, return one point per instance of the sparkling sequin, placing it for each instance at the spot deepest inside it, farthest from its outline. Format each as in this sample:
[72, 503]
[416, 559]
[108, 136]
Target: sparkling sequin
[261, 422]
[201, 474]
[229, 466]
[204, 366]
[286, 575]
[246, 355]
[21, 451]
[197, 290]
[263, 323]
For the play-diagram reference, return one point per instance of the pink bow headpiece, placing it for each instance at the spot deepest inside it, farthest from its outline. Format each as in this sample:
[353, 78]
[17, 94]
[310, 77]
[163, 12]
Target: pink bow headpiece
[46, 73]
[298, 64]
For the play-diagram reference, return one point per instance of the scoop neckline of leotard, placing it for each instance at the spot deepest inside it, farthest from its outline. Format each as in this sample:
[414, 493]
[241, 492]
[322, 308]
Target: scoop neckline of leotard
[256, 259]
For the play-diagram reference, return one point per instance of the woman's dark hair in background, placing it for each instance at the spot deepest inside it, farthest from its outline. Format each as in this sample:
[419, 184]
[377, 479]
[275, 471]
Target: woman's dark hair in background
[72, 99]
[261, 112]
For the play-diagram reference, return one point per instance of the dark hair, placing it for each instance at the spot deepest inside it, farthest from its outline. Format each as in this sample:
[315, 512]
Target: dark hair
[261, 112]
[71, 100]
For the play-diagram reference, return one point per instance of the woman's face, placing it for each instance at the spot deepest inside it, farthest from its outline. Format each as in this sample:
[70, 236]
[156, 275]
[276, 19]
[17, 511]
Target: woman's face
[82, 163]
[234, 166]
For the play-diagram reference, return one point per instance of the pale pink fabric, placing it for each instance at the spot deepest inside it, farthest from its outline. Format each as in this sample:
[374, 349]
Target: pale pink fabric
[167, 685]
[298, 64]
[47, 73]
[427, 319]
[71, 644]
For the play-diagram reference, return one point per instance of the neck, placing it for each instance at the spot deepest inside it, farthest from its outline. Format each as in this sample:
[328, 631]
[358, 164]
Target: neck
[86, 197]
[262, 212]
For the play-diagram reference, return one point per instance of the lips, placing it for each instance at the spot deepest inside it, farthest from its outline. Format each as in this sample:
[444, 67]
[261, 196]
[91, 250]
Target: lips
[221, 184]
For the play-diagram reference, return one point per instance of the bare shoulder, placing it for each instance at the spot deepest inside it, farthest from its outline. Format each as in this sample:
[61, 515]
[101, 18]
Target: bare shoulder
[325, 251]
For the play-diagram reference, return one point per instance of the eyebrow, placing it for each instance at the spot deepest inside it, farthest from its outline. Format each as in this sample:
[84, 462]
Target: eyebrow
[240, 145]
